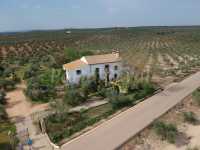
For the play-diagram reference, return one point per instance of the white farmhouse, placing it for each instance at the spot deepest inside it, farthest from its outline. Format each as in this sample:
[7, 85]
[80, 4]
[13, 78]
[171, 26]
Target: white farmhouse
[105, 66]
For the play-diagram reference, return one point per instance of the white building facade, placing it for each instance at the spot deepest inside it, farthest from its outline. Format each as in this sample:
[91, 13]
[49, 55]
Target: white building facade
[105, 66]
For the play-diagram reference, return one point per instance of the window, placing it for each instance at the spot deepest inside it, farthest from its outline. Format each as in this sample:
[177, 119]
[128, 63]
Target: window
[97, 70]
[116, 67]
[97, 73]
[106, 66]
[115, 76]
[78, 72]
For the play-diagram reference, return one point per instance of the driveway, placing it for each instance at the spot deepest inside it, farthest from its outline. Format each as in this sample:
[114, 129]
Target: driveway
[113, 133]
[19, 106]
[19, 110]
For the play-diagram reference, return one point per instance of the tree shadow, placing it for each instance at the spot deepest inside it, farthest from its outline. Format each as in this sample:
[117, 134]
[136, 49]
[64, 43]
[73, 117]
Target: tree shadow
[182, 139]
[18, 119]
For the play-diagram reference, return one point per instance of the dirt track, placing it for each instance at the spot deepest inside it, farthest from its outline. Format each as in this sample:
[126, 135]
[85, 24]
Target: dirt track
[18, 106]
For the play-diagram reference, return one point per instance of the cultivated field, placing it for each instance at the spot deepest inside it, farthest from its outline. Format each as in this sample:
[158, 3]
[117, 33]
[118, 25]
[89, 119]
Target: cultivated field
[165, 54]
[160, 51]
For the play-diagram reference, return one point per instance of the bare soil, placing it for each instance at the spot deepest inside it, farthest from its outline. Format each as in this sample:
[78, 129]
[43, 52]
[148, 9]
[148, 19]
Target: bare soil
[19, 106]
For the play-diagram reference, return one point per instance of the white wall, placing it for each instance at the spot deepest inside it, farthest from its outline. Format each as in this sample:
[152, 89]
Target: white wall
[72, 76]
[102, 69]
[89, 70]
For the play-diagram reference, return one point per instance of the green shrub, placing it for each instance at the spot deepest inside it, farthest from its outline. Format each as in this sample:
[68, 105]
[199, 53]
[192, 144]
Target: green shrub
[49, 61]
[111, 92]
[72, 54]
[88, 86]
[3, 114]
[102, 92]
[73, 97]
[140, 94]
[8, 71]
[196, 96]
[166, 131]
[147, 87]
[7, 84]
[120, 101]
[56, 136]
[190, 117]
[42, 87]
[1, 70]
[31, 71]
[39, 91]
[2, 97]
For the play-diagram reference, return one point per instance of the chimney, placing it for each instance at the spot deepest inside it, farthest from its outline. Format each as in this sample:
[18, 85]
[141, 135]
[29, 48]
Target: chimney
[116, 52]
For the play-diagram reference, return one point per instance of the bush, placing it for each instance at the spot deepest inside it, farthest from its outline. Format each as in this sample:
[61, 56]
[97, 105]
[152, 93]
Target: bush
[7, 84]
[147, 87]
[8, 71]
[166, 131]
[2, 97]
[56, 136]
[31, 71]
[72, 54]
[102, 92]
[196, 96]
[120, 101]
[3, 114]
[1, 70]
[88, 86]
[39, 91]
[42, 86]
[190, 117]
[73, 97]
[49, 61]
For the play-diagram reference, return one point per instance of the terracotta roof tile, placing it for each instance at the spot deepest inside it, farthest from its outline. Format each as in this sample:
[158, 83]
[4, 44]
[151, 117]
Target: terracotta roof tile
[95, 59]
[74, 64]
[100, 59]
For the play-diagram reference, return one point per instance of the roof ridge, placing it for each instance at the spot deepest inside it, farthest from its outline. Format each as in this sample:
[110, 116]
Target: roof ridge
[92, 60]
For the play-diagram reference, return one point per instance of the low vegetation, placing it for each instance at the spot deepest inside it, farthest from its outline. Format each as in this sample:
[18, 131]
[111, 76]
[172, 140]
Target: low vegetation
[8, 77]
[2, 97]
[6, 141]
[8, 80]
[59, 127]
[64, 124]
[166, 131]
[196, 96]
[190, 117]
[73, 97]
[42, 87]
[193, 148]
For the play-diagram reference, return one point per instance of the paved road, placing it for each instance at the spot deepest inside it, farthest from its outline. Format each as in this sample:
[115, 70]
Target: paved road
[111, 134]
